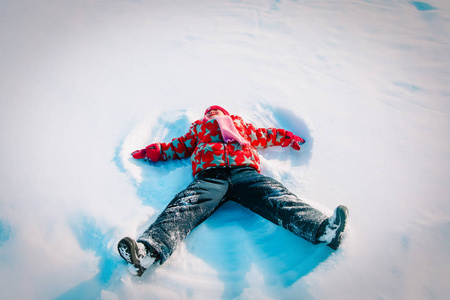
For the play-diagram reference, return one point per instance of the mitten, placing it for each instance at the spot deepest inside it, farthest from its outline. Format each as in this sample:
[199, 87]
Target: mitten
[151, 152]
[292, 140]
[139, 154]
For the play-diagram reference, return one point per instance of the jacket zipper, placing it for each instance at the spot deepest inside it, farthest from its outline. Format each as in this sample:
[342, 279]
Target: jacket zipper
[226, 154]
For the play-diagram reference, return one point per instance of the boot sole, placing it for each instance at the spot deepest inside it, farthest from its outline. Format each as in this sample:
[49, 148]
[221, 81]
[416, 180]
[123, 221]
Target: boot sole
[341, 219]
[127, 246]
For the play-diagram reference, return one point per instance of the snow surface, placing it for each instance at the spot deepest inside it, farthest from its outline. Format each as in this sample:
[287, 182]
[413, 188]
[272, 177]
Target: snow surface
[83, 83]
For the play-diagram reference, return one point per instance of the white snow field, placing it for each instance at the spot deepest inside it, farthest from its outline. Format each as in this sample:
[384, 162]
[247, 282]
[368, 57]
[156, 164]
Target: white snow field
[83, 83]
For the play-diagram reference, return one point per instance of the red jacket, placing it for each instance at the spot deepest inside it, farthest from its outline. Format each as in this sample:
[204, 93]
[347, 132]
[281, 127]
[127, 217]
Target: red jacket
[206, 148]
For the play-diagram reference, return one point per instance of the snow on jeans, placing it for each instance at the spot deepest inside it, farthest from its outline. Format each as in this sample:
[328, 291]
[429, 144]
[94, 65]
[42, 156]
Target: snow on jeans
[211, 189]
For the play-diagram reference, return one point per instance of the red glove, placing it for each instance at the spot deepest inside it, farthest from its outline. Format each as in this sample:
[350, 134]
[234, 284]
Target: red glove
[292, 140]
[139, 154]
[151, 152]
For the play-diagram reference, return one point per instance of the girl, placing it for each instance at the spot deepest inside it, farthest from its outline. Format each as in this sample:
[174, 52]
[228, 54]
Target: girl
[226, 166]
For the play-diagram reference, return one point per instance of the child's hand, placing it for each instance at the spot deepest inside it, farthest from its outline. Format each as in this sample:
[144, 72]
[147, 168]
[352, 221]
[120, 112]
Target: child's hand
[139, 154]
[151, 152]
[292, 140]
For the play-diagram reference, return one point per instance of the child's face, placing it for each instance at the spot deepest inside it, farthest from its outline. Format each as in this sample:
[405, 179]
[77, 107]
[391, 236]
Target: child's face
[214, 113]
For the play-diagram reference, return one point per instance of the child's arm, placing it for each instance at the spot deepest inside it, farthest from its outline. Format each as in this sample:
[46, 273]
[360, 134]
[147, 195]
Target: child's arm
[268, 137]
[178, 148]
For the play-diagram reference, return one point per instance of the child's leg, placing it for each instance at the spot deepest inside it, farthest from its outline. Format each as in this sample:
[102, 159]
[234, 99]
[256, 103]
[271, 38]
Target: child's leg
[188, 209]
[271, 200]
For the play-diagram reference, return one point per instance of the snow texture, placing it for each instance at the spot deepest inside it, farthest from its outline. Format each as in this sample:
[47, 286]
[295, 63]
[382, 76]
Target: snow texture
[364, 82]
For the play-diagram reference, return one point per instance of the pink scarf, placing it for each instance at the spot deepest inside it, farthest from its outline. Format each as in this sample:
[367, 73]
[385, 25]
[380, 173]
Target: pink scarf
[229, 131]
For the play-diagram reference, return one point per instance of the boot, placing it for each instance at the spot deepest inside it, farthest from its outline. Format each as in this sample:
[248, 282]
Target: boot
[332, 229]
[136, 255]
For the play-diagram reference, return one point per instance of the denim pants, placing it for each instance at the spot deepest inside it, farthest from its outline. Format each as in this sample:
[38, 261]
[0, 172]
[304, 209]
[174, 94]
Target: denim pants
[211, 189]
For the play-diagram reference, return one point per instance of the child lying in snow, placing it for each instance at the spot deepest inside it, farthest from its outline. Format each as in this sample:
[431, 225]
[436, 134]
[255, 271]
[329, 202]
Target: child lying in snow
[226, 167]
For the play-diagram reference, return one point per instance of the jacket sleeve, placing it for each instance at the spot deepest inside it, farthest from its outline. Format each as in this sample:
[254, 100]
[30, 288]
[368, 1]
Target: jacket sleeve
[181, 147]
[265, 137]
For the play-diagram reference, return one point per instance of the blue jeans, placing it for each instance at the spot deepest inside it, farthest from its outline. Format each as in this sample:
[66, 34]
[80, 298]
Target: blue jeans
[211, 189]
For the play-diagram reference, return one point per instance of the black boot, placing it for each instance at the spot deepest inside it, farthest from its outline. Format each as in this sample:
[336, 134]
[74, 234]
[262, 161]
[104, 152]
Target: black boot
[332, 229]
[138, 257]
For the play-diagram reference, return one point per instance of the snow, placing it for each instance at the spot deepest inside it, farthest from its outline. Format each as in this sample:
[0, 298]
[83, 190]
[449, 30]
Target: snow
[84, 83]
